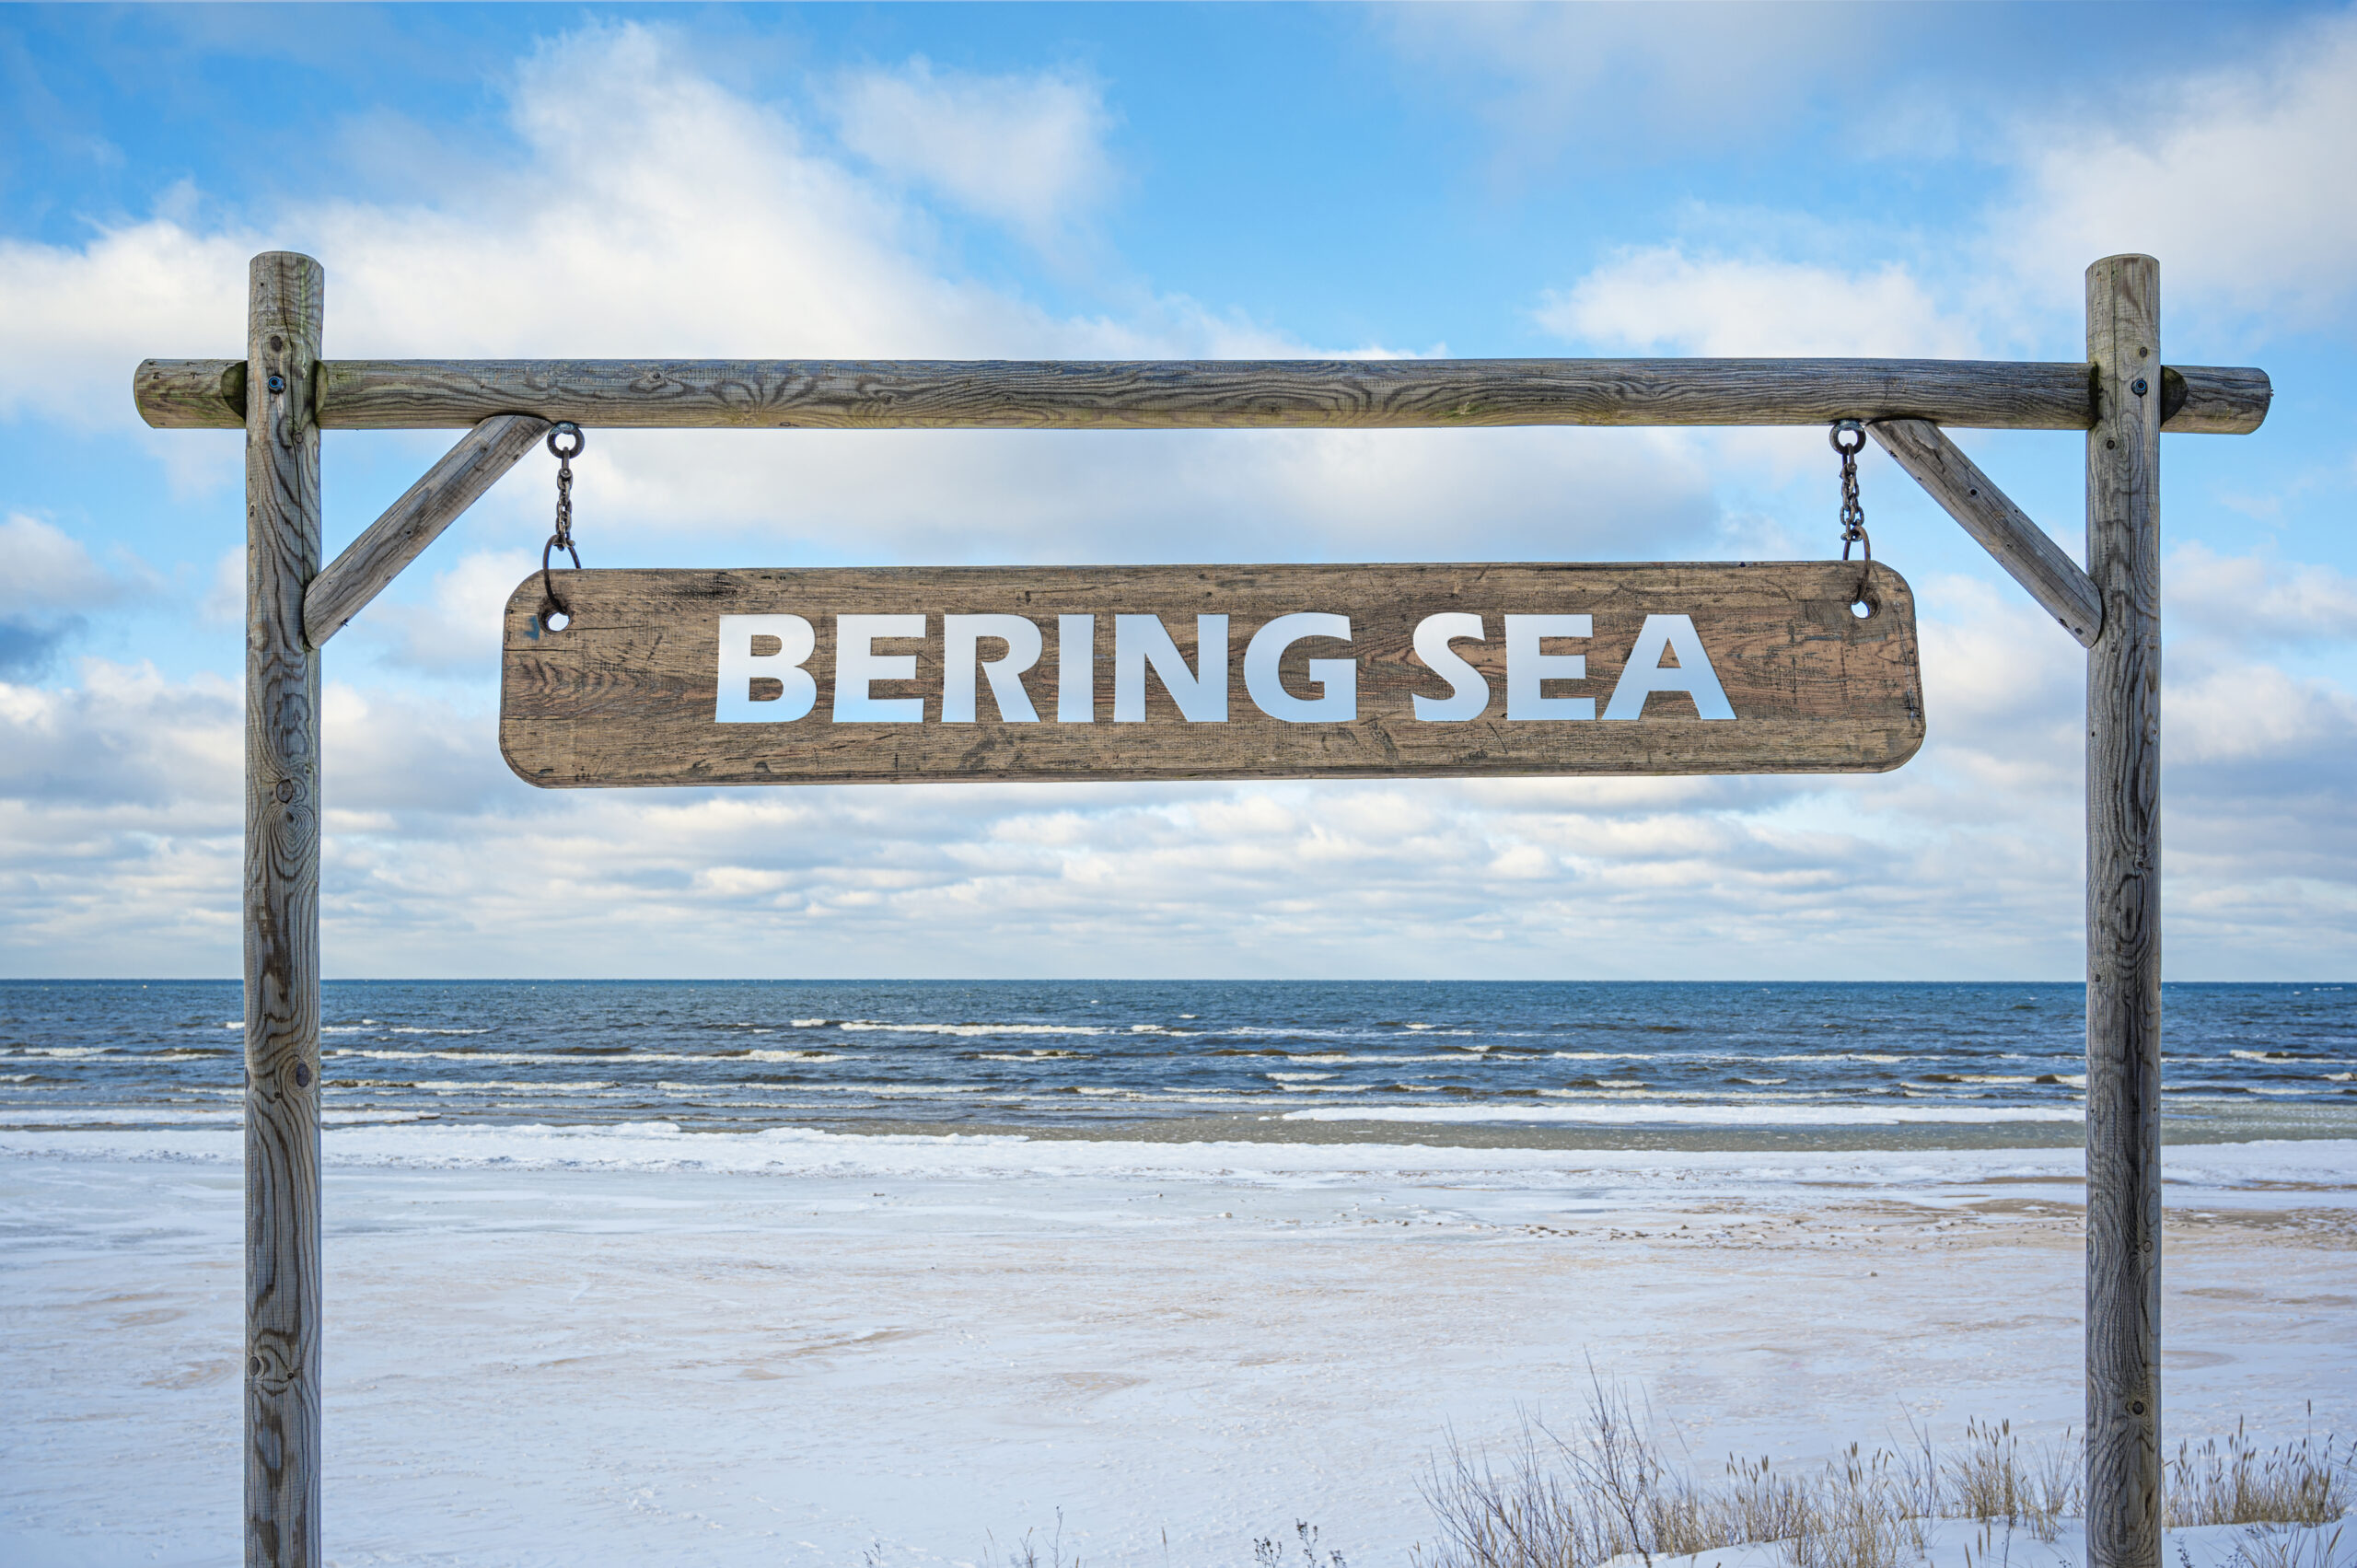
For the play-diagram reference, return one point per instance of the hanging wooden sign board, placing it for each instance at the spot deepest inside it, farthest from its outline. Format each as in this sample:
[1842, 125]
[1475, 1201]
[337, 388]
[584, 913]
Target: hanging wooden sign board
[1209, 672]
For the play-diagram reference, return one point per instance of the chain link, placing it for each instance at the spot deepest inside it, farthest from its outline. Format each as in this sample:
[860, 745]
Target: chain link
[1853, 511]
[562, 538]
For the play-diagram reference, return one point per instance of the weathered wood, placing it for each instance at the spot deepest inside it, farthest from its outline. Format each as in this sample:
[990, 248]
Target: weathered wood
[378, 394]
[2123, 1322]
[625, 693]
[282, 921]
[371, 561]
[2005, 531]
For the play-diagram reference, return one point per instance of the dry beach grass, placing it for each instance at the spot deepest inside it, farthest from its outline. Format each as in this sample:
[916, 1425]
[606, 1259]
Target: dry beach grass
[1607, 1489]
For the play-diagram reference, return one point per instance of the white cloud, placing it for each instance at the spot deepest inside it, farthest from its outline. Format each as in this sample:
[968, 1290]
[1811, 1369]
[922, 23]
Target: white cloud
[457, 628]
[1660, 298]
[688, 220]
[47, 581]
[124, 735]
[437, 861]
[2255, 603]
[1636, 78]
[581, 248]
[80, 319]
[223, 602]
[2240, 180]
[46, 570]
[1025, 150]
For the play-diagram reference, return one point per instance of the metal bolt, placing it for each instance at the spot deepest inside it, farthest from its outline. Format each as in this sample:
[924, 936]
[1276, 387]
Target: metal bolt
[2137, 1407]
[2137, 386]
[277, 382]
[285, 791]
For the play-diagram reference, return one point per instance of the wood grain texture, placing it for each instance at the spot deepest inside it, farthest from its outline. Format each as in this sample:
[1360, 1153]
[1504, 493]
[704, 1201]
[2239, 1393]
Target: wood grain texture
[282, 921]
[417, 520]
[2020, 547]
[1194, 394]
[625, 694]
[2123, 1322]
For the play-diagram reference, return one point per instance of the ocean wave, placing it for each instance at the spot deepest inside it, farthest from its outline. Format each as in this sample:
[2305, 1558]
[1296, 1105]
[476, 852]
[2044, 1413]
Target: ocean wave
[133, 1115]
[574, 1058]
[1880, 1059]
[2255, 1171]
[2292, 1059]
[868, 1025]
[1624, 1114]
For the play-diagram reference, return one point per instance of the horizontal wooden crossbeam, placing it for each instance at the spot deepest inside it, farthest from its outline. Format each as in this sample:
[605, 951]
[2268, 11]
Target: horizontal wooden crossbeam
[389, 394]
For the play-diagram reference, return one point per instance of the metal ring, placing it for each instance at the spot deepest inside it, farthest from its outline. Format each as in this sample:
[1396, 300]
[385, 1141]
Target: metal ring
[566, 427]
[1850, 426]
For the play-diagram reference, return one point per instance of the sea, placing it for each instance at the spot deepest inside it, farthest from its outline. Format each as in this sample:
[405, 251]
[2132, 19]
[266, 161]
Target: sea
[1579, 1064]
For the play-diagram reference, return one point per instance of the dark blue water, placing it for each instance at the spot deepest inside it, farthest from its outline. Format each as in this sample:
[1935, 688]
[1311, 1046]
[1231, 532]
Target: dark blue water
[1223, 1057]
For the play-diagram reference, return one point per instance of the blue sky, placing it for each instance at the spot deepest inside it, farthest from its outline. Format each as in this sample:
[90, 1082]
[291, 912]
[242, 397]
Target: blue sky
[1086, 181]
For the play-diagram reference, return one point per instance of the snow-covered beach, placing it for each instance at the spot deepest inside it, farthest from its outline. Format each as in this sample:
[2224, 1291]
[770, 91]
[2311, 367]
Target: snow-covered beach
[637, 1343]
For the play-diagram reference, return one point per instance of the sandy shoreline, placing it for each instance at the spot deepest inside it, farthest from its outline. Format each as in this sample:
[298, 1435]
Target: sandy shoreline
[555, 1347]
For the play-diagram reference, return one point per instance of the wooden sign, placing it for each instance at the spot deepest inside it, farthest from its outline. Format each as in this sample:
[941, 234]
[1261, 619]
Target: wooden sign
[901, 674]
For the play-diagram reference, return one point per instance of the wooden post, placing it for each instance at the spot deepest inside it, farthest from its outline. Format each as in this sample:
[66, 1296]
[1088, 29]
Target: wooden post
[282, 918]
[2123, 1326]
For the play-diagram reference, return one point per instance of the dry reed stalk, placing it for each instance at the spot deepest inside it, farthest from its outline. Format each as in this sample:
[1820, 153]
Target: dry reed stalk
[1607, 1492]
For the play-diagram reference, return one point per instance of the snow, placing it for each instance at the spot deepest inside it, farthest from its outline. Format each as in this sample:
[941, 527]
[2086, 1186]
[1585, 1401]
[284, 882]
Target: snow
[551, 1345]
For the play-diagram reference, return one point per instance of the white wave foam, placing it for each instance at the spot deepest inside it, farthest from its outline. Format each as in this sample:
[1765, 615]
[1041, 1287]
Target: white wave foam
[573, 1059]
[971, 1029]
[1879, 1058]
[1623, 1113]
[134, 1117]
[656, 1146]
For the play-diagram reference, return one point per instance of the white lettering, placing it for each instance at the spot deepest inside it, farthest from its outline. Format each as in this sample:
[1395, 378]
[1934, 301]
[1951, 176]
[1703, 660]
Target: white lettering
[1076, 669]
[1469, 694]
[1692, 674]
[1527, 667]
[1337, 679]
[742, 665]
[1141, 639]
[961, 654]
[857, 663]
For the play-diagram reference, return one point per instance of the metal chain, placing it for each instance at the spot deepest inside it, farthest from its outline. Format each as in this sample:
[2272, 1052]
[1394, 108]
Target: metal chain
[562, 538]
[1853, 511]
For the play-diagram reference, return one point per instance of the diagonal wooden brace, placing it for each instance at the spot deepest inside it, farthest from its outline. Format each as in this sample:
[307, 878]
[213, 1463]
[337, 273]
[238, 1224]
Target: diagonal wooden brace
[371, 561]
[2005, 531]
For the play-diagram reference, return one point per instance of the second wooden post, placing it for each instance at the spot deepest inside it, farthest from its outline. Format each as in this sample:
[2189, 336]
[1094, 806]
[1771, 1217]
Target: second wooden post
[282, 917]
[2124, 1509]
